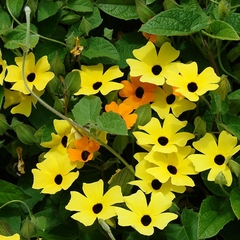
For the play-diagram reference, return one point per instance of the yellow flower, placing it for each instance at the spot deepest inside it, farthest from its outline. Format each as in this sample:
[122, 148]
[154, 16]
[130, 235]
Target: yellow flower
[165, 101]
[54, 174]
[191, 84]
[173, 166]
[94, 204]
[152, 67]
[63, 137]
[3, 68]
[166, 138]
[22, 101]
[215, 156]
[16, 236]
[37, 75]
[144, 217]
[151, 184]
[93, 80]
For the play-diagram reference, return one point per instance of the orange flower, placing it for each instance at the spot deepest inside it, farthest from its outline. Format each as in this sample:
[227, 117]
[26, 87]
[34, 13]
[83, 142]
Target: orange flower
[137, 93]
[84, 150]
[124, 111]
[150, 37]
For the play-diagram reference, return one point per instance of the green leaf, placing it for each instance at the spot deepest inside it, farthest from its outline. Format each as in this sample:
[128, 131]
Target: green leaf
[214, 213]
[234, 96]
[80, 5]
[99, 47]
[25, 133]
[46, 9]
[5, 228]
[108, 33]
[143, 11]
[69, 18]
[232, 123]
[17, 37]
[5, 21]
[94, 18]
[188, 229]
[235, 201]
[122, 178]
[126, 44]
[221, 30]
[218, 105]
[41, 222]
[174, 22]
[87, 110]
[72, 82]
[144, 113]
[11, 213]
[85, 26]
[28, 230]
[112, 123]
[25, 182]
[3, 124]
[66, 231]
[212, 186]
[9, 192]
[57, 65]
[120, 142]
[234, 20]
[234, 53]
[122, 9]
[16, 7]
[200, 127]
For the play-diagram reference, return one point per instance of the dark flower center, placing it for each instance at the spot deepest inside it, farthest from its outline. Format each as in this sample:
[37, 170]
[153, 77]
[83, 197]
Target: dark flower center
[58, 179]
[163, 141]
[1, 69]
[85, 155]
[139, 92]
[156, 69]
[219, 159]
[97, 208]
[97, 85]
[31, 77]
[146, 220]
[170, 99]
[172, 169]
[64, 141]
[192, 87]
[156, 185]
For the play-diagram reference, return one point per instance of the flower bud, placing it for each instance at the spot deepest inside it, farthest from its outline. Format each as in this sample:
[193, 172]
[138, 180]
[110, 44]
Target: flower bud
[235, 167]
[224, 87]
[220, 179]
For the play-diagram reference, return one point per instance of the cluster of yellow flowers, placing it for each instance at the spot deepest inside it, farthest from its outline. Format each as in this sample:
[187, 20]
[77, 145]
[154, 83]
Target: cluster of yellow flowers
[167, 160]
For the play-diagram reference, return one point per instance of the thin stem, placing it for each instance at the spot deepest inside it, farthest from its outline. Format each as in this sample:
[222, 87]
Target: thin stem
[19, 23]
[19, 201]
[206, 101]
[211, 59]
[224, 190]
[220, 62]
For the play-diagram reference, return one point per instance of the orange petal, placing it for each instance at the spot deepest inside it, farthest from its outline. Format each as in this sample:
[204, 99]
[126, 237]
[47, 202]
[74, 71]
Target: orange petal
[112, 107]
[81, 143]
[130, 120]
